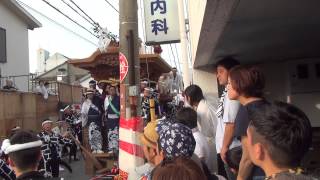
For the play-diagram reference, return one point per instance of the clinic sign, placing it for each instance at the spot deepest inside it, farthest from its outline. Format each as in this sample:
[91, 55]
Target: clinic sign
[161, 21]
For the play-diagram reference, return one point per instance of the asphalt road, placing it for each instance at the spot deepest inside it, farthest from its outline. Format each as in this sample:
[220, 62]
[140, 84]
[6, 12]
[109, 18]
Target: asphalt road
[78, 173]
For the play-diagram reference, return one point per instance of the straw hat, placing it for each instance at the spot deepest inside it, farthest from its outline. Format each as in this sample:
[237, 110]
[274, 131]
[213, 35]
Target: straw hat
[150, 135]
[105, 81]
[89, 91]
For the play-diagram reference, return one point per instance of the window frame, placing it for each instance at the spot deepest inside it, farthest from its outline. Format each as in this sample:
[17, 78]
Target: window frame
[5, 60]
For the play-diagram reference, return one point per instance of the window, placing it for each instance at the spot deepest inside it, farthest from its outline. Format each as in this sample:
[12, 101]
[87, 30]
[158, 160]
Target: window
[303, 71]
[317, 70]
[3, 46]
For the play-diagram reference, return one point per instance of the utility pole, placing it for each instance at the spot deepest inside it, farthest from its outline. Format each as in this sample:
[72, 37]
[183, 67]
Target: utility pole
[130, 153]
[183, 44]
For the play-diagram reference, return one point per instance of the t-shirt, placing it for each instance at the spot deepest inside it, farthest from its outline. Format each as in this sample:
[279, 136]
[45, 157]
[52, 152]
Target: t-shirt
[202, 149]
[241, 126]
[242, 120]
[290, 176]
[230, 110]
[206, 119]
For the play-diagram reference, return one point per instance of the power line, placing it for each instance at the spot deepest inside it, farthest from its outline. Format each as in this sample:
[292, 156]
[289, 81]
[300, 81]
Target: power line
[83, 12]
[169, 55]
[112, 6]
[69, 18]
[55, 22]
[174, 58]
[78, 12]
[95, 24]
[175, 46]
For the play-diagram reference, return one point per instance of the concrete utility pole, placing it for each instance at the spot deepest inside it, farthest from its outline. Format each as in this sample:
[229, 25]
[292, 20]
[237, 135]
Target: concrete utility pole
[183, 44]
[130, 154]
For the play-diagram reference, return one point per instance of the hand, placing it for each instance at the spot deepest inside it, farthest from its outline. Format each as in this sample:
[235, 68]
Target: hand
[234, 171]
[223, 154]
[77, 142]
[66, 134]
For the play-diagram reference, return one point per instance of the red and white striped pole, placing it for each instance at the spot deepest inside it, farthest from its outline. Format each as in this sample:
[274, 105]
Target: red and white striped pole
[130, 154]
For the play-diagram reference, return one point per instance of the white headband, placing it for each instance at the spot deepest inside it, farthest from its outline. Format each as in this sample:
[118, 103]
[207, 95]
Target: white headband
[46, 121]
[8, 148]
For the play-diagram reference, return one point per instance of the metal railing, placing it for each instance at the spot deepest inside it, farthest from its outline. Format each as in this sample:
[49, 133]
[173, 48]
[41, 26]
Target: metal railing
[33, 82]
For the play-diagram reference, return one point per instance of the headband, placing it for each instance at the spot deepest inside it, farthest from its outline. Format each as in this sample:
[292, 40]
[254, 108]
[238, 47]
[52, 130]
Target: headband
[8, 148]
[46, 121]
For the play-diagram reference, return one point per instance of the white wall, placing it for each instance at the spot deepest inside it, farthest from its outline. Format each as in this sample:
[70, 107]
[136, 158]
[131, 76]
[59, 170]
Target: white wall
[17, 47]
[46, 62]
[205, 79]
[196, 13]
[280, 86]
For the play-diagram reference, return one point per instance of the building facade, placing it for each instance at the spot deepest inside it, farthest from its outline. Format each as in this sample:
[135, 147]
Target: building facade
[14, 52]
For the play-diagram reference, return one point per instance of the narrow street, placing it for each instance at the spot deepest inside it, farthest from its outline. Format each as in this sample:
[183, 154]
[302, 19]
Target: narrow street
[78, 171]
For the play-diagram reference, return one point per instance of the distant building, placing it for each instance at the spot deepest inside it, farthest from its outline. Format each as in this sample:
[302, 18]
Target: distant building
[45, 62]
[14, 50]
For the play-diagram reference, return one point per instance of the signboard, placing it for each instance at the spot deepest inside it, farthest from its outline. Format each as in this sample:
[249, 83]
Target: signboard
[123, 64]
[161, 21]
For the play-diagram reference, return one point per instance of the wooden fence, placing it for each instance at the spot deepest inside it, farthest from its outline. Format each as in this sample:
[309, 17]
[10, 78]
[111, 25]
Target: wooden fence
[27, 110]
[69, 94]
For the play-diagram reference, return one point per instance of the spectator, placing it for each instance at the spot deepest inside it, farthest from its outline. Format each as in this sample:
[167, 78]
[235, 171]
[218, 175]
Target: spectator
[24, 153]
[49, 91]
[176, 81]
[9, 85]
[279, 136]
[188, 117]
[234, 158]
[206, 119]
[148, 140]
[226, 113]
[41, 89]
[180, 168]
[246, 84]
[175, 140]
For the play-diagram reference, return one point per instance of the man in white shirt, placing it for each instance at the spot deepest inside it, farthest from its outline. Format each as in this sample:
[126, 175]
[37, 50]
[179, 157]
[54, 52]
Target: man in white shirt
[41, 89]
[226, 113]
[176, 81]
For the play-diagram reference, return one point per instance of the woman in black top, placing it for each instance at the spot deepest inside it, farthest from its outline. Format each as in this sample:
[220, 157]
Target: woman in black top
[246, 85]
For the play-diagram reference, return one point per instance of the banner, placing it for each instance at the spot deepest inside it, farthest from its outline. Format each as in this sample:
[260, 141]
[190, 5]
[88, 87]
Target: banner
[161, 21]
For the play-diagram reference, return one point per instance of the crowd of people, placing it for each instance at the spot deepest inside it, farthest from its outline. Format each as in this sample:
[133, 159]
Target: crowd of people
[244, 136]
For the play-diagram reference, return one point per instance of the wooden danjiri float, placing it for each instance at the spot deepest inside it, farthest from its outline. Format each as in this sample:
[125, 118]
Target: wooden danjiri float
[104, 66]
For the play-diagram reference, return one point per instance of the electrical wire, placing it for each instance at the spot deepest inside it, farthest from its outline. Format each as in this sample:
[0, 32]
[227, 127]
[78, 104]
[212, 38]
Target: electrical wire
[178, 59]
[169, 55]
[78, 12]
[82, 11]
[55, 22]
[69, 18]
[174, 58]
[111, 6]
